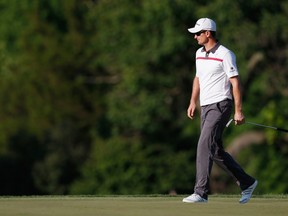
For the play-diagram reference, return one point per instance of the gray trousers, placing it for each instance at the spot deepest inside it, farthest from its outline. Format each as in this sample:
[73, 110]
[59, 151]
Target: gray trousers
[214, 118]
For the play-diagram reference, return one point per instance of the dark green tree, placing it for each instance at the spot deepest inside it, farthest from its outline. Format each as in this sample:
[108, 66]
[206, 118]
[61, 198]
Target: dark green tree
[94, 93]
[48, 100]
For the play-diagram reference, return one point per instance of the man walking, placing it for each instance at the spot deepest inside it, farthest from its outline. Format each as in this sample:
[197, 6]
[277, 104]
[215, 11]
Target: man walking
[216, 71]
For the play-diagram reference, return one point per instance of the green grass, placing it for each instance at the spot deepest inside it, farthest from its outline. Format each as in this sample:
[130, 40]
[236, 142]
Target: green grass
[140, 206]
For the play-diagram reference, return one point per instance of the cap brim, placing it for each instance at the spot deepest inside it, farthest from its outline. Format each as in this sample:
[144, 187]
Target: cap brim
[194, 30]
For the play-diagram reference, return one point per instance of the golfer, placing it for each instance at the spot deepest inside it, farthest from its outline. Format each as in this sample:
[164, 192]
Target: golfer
[216, 72]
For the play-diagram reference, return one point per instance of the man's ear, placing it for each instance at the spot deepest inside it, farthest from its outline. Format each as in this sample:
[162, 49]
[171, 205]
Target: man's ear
[208, 33]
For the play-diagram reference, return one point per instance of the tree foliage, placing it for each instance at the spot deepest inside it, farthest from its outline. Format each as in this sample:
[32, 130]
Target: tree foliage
[94, 93]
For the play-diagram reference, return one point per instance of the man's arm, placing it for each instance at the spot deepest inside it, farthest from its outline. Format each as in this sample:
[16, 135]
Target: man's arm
[194, 98]
[239, 117]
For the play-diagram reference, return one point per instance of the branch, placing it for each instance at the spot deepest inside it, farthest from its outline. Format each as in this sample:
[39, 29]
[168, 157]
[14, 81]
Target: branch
[245, 140]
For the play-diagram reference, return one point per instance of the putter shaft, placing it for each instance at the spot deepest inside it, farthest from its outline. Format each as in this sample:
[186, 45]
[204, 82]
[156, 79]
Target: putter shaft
[260, 125]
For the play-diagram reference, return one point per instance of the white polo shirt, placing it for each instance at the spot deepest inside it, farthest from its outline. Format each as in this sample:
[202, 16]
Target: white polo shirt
[214, 68]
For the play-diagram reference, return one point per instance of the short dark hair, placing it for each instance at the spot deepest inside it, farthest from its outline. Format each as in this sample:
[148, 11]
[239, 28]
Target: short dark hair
[213, 33]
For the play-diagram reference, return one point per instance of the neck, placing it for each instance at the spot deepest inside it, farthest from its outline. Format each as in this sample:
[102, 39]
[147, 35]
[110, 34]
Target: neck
[209, 45]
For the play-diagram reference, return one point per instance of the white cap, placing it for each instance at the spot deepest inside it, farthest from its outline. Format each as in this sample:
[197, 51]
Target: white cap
[203, 24]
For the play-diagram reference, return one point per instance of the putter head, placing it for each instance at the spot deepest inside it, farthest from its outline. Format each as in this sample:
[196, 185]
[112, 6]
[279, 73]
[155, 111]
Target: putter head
[227, 125]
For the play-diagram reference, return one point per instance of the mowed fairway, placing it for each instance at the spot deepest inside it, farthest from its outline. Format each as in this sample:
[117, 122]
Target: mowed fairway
[139, 206]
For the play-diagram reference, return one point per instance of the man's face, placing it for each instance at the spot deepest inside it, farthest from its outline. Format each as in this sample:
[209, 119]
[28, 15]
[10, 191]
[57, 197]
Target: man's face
[201, 37]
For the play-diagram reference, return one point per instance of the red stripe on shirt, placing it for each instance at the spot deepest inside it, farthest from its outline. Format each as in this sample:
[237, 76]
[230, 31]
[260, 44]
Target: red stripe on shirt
[209, 58]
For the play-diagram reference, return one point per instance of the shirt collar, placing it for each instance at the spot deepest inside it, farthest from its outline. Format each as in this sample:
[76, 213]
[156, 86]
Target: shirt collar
[213, 49]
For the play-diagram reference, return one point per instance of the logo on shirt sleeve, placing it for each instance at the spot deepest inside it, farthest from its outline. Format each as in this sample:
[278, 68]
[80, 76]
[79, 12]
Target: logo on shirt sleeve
[232, 69]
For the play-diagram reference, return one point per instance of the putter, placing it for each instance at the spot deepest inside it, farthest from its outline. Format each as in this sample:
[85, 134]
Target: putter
[260, 125]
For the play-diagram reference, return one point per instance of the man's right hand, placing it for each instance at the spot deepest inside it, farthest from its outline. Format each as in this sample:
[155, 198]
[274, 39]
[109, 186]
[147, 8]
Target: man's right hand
[239, 118]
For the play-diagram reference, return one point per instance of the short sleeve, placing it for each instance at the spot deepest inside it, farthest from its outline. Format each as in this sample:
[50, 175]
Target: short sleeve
[229, 64]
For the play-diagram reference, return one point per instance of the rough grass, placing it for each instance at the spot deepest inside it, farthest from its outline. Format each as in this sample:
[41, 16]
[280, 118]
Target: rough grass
[155, 205]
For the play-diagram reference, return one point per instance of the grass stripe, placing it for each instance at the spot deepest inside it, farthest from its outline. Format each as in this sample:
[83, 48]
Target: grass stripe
[223, 205]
